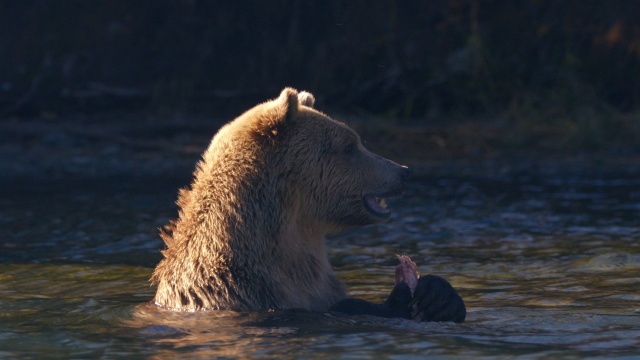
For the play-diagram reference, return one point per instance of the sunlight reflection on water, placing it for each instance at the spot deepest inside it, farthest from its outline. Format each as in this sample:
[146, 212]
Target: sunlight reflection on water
[547, 267]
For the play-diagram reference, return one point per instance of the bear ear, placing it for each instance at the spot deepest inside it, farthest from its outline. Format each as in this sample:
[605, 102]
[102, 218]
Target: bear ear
[306, 99]
[288, 103]
[271, 118]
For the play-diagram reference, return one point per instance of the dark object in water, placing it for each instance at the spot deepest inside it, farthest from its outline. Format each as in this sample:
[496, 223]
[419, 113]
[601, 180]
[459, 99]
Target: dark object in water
[421, 298]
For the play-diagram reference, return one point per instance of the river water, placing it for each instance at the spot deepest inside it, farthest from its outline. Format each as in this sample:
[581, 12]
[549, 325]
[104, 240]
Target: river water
[549, 266]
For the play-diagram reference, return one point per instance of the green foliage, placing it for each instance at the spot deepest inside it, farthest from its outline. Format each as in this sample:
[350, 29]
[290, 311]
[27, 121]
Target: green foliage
[572, 65]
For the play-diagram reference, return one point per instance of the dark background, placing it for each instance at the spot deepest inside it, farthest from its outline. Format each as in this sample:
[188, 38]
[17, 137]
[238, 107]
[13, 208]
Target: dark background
[560, 76]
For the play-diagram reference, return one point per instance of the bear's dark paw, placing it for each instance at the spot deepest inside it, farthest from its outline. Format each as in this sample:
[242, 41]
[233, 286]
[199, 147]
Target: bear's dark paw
[396, 305]
[353, 306]
[434, 299]
[398, 301]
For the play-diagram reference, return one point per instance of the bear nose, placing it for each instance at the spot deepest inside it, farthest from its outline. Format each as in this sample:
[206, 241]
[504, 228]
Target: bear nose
[406, 173]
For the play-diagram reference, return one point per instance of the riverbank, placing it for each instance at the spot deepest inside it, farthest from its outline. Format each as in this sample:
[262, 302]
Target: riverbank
[145, 144]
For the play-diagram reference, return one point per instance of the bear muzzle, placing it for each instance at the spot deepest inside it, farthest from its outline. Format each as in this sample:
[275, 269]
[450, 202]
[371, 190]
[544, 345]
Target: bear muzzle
[377, 206]
[376, 203]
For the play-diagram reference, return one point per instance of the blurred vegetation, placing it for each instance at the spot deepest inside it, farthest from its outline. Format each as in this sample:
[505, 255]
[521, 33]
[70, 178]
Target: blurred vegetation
[539, 67]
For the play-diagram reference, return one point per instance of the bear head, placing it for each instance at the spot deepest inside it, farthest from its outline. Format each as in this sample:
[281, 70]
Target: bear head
[328, 177]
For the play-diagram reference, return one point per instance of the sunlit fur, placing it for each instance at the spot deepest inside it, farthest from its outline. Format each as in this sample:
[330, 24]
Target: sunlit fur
[250, 231]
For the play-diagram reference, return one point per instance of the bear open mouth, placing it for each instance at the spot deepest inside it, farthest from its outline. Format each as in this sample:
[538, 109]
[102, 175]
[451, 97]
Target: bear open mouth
[377, 206]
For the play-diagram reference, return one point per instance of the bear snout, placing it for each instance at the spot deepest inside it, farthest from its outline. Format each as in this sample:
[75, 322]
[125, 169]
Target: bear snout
[391, 178]
[402, 173]
[405, 172]
[399, 184]
[396, 180]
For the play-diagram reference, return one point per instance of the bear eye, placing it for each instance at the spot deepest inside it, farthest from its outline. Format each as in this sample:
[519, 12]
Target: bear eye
[350, 148]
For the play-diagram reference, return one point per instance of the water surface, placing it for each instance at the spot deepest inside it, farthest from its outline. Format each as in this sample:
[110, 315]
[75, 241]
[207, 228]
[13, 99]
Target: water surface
[548, 267]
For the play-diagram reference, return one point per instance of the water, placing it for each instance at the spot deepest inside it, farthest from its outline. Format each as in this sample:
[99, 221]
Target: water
[549, 266]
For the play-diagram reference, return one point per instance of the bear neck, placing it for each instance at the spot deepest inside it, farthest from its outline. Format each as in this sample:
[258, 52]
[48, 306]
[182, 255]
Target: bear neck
[243, 241]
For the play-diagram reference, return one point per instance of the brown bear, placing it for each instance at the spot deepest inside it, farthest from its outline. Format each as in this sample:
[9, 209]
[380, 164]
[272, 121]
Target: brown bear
[250, 234]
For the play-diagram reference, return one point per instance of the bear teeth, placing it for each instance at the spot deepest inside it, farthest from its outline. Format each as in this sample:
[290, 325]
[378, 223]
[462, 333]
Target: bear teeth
[376, 205]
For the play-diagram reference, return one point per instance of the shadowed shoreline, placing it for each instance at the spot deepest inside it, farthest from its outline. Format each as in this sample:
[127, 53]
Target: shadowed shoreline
[143, 144]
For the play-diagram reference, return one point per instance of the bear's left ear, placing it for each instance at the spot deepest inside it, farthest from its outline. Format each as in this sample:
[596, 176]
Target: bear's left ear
[289, 101]
[288, 104]
[275, 114]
